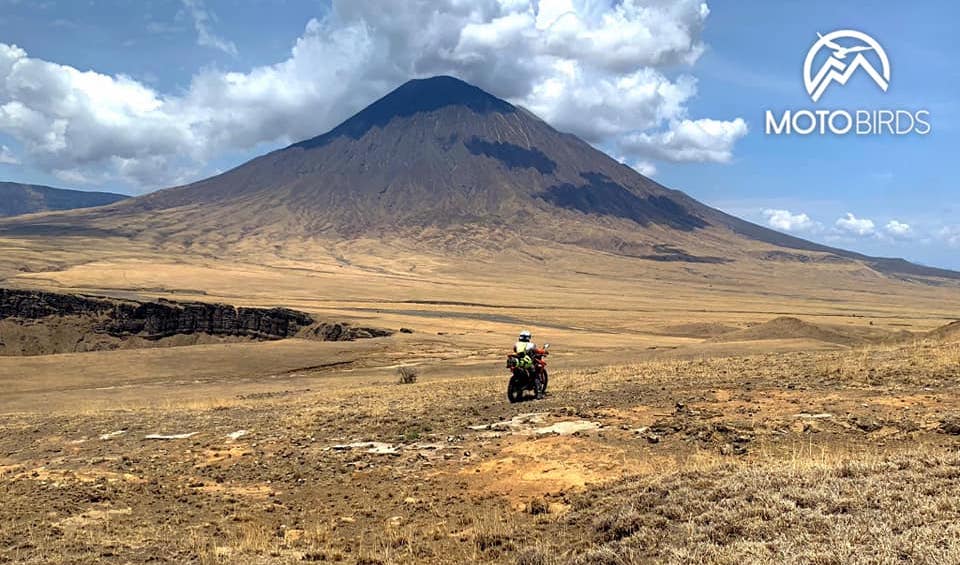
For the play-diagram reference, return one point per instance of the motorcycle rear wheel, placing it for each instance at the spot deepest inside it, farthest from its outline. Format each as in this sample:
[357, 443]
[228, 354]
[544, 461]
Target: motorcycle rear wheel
[514, 390]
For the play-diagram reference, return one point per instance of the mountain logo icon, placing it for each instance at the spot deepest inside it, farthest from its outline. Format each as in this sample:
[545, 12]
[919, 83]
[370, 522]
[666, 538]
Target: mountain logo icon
[844, 61]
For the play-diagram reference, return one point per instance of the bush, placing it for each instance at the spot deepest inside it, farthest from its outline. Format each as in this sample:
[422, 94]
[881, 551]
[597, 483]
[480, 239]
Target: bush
[408, 375]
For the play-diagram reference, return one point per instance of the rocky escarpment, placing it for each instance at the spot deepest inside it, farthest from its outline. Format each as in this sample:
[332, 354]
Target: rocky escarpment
[154, 320]
[41, 323]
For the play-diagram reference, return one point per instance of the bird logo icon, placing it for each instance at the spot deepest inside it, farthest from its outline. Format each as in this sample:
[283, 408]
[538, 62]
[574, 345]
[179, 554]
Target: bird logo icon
[844, 61]
[842, 52]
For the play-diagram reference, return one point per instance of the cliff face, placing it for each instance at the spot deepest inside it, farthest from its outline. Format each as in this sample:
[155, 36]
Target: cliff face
[154, 320]
[158, 319]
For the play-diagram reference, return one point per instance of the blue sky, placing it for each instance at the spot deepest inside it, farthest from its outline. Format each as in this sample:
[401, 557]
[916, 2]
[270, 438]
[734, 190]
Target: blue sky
[216, 82]
[750, 68]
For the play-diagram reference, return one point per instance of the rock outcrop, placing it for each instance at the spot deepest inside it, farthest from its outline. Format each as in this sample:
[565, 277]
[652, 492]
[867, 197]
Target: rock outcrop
[154, 320]
[341, 332]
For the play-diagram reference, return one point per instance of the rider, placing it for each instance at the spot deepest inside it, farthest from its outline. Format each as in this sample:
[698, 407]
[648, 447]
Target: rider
[524, 344]
[524, 349]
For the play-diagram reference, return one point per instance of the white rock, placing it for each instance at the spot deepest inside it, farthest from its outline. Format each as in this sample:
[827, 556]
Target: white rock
[568, 428]
[374, 447]
[172, 436]
[518, 422]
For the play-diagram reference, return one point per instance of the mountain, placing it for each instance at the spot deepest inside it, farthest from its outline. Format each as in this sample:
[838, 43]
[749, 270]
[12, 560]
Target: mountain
[17, 199]
[441, 164]
[433, 153]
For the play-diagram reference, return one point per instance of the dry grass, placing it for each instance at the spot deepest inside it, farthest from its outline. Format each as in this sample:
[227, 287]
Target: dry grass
[917, 362]
[851, 509]
[831, 490]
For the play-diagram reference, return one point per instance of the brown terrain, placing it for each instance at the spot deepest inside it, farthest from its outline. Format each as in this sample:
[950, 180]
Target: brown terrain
[209, 374]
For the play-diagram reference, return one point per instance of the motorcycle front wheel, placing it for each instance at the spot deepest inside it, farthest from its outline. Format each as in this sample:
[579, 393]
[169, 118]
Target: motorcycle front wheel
[543, 384]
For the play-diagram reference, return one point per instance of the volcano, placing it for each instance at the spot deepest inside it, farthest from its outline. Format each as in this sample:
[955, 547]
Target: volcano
[434, 153]
[440, 156]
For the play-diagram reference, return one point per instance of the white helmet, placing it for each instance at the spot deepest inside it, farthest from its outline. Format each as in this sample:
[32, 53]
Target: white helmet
[525, 335]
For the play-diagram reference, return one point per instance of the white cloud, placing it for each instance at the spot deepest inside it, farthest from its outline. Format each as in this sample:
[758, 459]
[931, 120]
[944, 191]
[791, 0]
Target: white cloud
[7, 157]
[950, 235]
[597, 69]
[853, 225]
[898, 229]
[597, 106]
[645, 168]
[689, 141]
[69, 120]
[785, 220]
[202, 19]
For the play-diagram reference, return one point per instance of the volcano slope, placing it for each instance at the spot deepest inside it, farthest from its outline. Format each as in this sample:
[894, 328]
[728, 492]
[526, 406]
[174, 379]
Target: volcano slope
[452, 168]
[440, 201]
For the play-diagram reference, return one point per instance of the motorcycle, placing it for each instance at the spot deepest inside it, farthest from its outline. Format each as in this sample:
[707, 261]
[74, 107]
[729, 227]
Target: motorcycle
[523, 379]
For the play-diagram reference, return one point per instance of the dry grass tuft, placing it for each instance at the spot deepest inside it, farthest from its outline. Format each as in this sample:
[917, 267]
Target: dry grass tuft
[408, 375]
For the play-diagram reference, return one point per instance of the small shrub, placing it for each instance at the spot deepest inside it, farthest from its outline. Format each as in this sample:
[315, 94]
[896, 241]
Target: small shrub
[538, 506]
[408, 375]
[535, 555]
[619, 524]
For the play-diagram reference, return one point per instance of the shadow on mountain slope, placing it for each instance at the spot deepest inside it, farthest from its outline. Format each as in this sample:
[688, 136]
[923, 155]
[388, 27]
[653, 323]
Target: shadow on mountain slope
[600, 195]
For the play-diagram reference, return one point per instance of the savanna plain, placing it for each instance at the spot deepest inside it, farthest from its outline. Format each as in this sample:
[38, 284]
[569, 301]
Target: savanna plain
[705, 413]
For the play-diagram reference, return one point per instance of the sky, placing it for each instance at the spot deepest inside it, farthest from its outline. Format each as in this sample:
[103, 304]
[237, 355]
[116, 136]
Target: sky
[135, 96]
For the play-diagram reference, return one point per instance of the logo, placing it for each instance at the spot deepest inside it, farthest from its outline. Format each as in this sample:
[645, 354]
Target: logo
[840, 66]
[848, 52]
